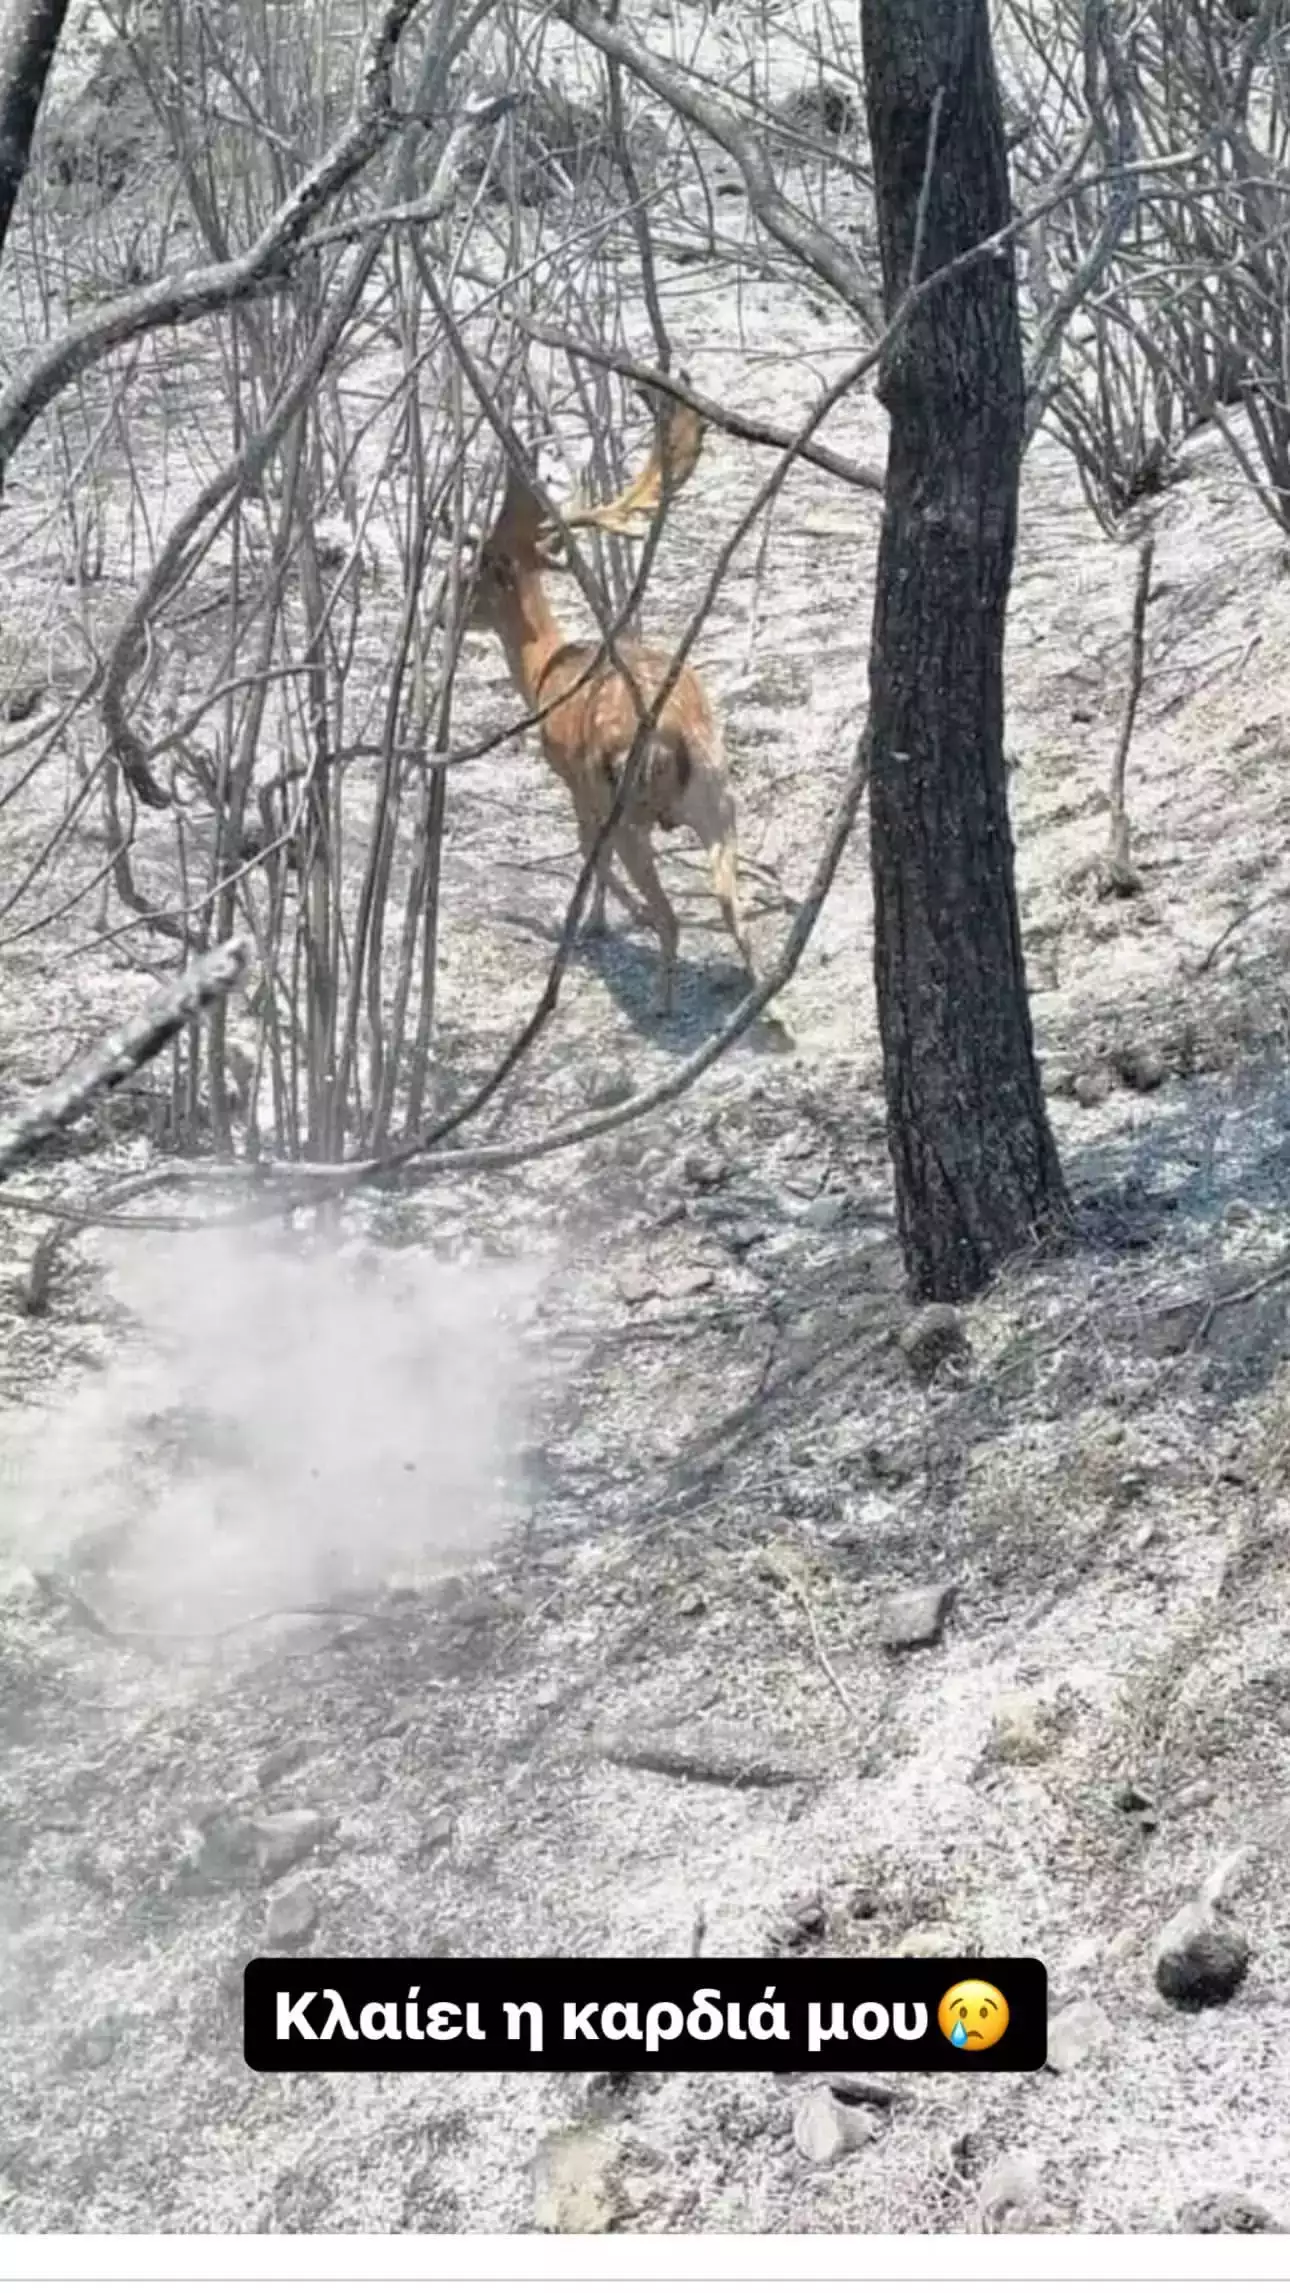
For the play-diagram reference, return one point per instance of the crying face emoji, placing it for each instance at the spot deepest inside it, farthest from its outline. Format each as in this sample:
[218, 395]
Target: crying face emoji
[973, 2016]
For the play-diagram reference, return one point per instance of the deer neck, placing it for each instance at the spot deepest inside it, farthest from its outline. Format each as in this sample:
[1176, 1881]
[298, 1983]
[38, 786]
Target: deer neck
[530, 636]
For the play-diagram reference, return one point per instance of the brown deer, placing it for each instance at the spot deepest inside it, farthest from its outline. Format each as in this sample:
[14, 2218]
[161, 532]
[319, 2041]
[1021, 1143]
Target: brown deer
[591, 716]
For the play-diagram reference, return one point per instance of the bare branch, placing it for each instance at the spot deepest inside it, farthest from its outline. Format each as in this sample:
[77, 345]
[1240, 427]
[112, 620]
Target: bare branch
[178, 301]
[820, 250]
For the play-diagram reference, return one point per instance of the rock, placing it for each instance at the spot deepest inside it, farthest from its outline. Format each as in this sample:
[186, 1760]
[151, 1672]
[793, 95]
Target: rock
[885, 1468]
[576, 2189]
[293, 1915]
[435, 1834]
[609, 1087]
[1091, 1087]
[846, 2086]
[281, 1761]
[478, 1610]
[1129, 1799]
[1010, 2193]
[819, 111]
[704, 1169]
[1201, 1959]
[410, 1714]
[824, 2128]
[1227, 2213]
[279, 1841]
[1081, 2031]
[1083, 1955]
[94, 2045]
[21, 702]
[935, 1335]
[686, 1281]
[668, 1213]
[801, 1921]
[915, 1619]
[743, 1236]
[603, 2087]
[1020, 1729]
[1169, 1330]
[928, 1943]
[1142, 1068]
[826, 1212]
[635, 1284]
[1201, 1793]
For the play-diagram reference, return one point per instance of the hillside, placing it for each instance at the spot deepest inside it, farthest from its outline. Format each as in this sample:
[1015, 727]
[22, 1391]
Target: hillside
[511, 1573]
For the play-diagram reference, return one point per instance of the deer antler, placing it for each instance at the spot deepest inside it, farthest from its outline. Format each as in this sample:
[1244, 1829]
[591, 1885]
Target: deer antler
[678, 440]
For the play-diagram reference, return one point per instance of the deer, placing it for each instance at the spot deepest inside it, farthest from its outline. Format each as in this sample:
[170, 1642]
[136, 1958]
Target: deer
[589, 714]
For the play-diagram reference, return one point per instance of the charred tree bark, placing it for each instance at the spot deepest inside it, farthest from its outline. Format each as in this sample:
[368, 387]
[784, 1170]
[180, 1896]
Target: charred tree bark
[977, 1176]
[29, 33]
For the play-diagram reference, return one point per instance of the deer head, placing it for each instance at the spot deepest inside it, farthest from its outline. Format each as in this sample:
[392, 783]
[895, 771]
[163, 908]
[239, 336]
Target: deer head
[524, 540]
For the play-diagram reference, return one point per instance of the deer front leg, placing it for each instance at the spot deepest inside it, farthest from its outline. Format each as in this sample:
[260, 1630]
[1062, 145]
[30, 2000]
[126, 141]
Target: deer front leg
[607, 876]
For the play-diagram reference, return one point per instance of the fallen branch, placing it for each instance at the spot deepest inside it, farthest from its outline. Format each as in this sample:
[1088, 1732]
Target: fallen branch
[734, 1771]
[122, 1053]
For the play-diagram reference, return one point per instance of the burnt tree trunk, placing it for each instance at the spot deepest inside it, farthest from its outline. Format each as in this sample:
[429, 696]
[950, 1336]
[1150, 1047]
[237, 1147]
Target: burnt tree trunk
[976, 1171]
[29, 34]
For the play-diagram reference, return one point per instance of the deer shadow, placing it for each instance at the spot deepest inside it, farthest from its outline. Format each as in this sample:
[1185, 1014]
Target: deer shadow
[625, 960]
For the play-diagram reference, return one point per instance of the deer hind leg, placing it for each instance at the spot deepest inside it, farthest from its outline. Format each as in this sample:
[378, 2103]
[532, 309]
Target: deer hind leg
[708, 808]
[637, 858]
[724, 857]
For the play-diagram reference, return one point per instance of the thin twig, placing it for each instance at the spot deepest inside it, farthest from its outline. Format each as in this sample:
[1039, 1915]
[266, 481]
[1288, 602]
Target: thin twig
[1120, 874]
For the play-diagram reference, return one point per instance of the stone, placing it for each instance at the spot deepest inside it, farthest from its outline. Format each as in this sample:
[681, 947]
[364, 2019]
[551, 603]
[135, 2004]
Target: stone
[1227, 2213]
[933, 1336]
[576, 2189]
[1020, 1729]
[1200, 1959]
[928, 1943]
[824, 2128]
[293, 1915]
[1091, 1087]
[856, 2088]
[281, 1761]
[826, 1212]
[1201, 1793]
[1129, 1799]
[1141, 1067]
[636, 1284]
[279, 1841]
[609, 1087]
[1078, 2034]
[1010, 2192]
[802, 1921]
[704, 1169]
[915, 1619]
[686, 1281]
[94, 2046]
